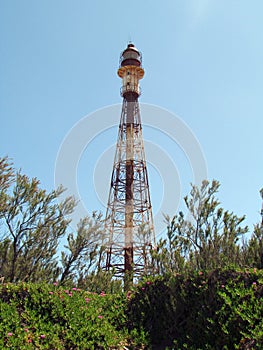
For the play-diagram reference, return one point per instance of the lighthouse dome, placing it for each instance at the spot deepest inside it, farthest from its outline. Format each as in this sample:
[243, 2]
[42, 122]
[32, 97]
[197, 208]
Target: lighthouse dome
[131, 56]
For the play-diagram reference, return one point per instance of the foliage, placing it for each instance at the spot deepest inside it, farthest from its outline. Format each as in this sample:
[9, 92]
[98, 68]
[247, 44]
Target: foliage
[32, 224]
[6, 173]
[207, 240]
[240, 315]
[101, 280]
[83, 249]
[221, 310]
[253, 251]
[203, 291]
[41, 316]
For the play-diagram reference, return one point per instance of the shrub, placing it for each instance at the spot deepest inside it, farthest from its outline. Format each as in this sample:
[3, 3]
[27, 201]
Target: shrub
[221, 310]
[41, 316]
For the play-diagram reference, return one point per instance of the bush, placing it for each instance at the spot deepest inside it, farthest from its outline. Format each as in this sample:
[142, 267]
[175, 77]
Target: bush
[222, 310]
[49, 317]
[219, 310]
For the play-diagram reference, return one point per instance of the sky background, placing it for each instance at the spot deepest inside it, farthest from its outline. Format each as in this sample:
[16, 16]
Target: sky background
[203, 62]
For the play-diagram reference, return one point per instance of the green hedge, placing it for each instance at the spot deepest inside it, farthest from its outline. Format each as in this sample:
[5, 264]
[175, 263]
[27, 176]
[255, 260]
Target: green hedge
[220, 310]
[50, 317]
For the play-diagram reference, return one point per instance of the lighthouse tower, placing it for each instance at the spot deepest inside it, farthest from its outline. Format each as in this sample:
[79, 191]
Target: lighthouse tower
[129, 222]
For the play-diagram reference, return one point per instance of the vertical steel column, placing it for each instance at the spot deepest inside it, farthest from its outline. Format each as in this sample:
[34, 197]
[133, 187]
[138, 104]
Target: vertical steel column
[129, 192]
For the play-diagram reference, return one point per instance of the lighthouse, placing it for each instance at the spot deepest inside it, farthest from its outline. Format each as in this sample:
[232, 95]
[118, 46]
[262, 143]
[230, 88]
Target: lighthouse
[129, 227]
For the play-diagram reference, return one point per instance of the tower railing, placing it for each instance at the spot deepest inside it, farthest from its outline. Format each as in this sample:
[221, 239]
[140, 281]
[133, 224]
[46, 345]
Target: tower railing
[130, 88]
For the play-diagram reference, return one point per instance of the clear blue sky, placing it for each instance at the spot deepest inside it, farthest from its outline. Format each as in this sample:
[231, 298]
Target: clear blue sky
[203, 61]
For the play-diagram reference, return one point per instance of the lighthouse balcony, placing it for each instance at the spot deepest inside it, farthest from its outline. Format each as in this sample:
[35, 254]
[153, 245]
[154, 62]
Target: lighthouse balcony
[130, 88]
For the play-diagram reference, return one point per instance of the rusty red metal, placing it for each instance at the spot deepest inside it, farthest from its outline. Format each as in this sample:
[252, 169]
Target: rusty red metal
[129, 222]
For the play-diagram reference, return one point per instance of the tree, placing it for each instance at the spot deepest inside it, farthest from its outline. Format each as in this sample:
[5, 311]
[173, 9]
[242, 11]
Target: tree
[168, 256]
[83, 249]
[6, 178]
[32, 223]
[208, 239]
[253, 250]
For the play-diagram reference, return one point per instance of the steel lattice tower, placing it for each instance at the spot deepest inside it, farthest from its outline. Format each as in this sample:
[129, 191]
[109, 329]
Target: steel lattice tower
[129, 222]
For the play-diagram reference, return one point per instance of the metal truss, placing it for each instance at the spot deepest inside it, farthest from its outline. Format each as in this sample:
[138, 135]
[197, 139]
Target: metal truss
[129, 222]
